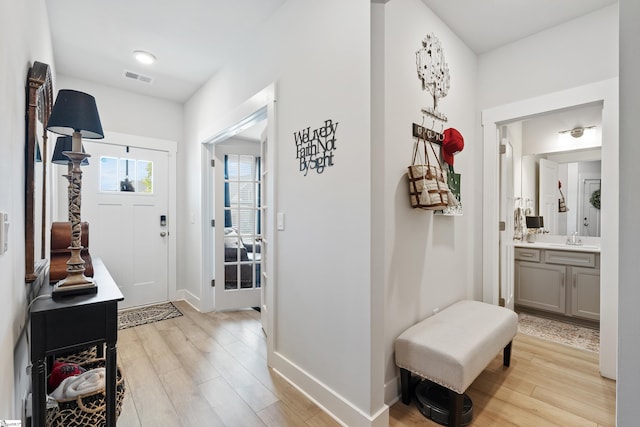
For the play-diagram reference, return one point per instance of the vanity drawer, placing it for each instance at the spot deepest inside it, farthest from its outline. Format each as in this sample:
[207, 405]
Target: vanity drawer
[525, 254]
[580, 259]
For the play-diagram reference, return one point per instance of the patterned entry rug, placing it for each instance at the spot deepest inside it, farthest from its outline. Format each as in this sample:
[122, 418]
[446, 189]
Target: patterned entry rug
[142, 315]
[561, 332]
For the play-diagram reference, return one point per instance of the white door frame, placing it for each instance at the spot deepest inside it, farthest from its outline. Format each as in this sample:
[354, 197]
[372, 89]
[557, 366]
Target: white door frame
[171, 147]
[231, 124]
[606, 92]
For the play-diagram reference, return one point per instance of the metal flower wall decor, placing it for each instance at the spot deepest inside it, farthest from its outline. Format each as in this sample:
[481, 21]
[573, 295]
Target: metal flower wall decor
[433, 71]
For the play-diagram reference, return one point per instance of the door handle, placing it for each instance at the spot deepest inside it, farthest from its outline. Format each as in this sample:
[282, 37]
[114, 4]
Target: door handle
[163, 233]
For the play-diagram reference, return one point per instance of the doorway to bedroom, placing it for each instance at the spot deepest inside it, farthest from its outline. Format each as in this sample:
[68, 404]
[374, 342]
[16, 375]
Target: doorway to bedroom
[250, 131]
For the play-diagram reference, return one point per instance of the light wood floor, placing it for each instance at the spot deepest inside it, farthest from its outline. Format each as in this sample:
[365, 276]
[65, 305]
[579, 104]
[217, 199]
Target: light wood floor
[210, 370]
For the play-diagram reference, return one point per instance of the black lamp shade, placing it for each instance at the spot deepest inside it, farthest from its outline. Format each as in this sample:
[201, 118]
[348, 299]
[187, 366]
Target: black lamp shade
[535, 222]
[75, 111]
[63, 143]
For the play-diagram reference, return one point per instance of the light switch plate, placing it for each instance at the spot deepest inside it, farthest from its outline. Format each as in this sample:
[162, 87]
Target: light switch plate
[280, 220]
[4, 232]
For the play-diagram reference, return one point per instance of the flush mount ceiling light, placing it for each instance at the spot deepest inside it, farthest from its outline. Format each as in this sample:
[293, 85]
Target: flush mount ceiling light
[144, 57]
[577, 132]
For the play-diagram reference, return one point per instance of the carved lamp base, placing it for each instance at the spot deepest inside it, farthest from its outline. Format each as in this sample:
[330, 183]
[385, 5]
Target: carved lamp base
[64, 290]
[76, 283]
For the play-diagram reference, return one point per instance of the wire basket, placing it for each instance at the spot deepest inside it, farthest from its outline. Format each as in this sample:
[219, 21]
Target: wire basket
[87, 355]
[88, 410]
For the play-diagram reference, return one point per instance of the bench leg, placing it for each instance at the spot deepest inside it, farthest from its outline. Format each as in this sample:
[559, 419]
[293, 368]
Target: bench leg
[456, 406]
[506, 355]
[405, 385]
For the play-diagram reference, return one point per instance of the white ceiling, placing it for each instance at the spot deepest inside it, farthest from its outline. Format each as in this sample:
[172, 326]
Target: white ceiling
[94, 39]
[487, 24]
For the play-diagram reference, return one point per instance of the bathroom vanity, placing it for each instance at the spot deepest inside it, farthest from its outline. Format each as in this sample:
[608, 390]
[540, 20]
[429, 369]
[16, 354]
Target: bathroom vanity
[558, 278]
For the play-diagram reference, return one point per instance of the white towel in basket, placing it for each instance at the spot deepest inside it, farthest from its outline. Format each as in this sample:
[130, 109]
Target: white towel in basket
[80, 385]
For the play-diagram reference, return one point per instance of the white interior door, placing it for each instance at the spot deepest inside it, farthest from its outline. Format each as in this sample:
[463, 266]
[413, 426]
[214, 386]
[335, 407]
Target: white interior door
[548, 195]
[239, 230]
[266, 238]
[589, 214]
[125, 201]
[506, 217]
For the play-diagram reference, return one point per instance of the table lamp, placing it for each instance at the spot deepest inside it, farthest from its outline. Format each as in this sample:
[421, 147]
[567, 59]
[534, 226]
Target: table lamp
[75, 115]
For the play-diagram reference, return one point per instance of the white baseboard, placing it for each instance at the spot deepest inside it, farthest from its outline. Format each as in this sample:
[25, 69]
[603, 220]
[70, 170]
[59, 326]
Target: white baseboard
[190, 298]
[392, 391]
[343, 411]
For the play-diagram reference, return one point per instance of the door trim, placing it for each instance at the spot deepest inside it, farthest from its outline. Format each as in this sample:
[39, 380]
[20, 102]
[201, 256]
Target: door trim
[261, 104]
[605, 91]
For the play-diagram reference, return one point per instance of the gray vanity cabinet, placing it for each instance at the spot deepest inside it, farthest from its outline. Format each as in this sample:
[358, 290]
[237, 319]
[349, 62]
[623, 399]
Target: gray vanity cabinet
[558, 281]
[540, 286]
[585, 293]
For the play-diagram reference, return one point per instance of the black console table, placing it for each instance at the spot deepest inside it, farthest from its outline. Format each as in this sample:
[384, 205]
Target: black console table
[70, 324]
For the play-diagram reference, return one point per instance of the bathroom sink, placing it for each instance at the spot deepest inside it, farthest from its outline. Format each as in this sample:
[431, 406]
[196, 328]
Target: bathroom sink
[568, 246]
[588, 246]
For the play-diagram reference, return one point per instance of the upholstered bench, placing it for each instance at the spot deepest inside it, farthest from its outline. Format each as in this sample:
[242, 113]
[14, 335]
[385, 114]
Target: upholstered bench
[453, 347]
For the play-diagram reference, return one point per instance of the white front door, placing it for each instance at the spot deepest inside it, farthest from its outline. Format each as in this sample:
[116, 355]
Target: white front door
[238, 226]
[125, 201]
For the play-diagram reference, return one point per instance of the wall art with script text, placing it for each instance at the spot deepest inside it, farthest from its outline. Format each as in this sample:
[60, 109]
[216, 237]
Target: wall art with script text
[315, 147]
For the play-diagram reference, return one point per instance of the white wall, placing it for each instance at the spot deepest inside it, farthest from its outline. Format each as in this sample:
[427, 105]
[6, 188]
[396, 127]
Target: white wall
[318, 55]
[24, 38]
[130, 113]
[429, 261]
[121, 112]
[552, 62]
[628, 386]
[569, 55]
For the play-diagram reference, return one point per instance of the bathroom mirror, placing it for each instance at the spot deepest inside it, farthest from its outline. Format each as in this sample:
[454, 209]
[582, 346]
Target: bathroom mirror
[557, 167]
[561, 187]
[39, 96]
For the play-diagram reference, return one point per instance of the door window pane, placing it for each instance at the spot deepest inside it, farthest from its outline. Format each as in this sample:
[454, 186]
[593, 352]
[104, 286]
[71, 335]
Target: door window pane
[126, 175]
[108, 174]
[144, 170]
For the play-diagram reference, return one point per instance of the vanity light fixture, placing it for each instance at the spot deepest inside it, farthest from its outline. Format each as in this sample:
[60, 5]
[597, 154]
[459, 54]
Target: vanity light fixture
[577, 131]
[144, 57]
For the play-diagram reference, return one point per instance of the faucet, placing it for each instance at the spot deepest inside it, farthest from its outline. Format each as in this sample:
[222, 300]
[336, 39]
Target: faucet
[574, 239]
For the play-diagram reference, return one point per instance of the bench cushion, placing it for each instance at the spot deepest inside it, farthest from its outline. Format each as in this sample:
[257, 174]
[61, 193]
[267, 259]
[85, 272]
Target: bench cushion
[454, 346]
